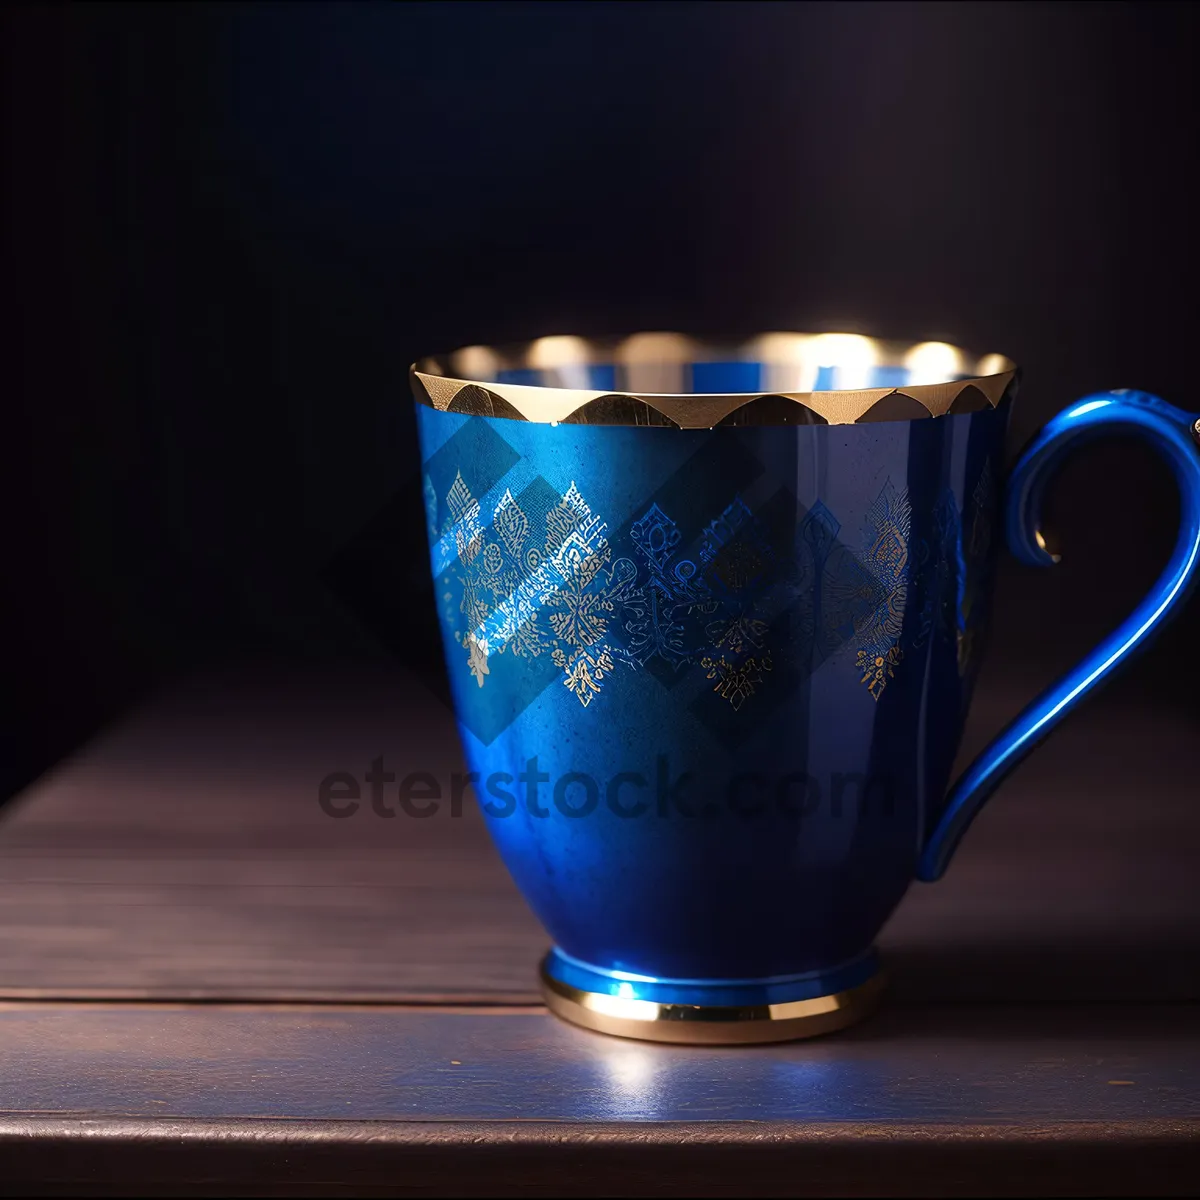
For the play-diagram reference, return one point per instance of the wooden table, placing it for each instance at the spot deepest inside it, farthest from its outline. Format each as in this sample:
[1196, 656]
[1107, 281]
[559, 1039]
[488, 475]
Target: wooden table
[208, 985]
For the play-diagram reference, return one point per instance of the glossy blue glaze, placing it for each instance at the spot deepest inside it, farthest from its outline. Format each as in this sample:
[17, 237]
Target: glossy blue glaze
[712, 683]
[1172, 433]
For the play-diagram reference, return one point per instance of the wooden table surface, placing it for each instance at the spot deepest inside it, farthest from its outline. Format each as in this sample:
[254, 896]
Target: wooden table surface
[207, 984]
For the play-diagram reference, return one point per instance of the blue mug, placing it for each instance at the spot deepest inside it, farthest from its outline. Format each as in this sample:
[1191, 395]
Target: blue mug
[712, 617]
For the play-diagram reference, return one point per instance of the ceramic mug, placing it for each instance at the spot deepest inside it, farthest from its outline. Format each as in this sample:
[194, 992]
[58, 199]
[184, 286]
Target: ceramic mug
[712, 618]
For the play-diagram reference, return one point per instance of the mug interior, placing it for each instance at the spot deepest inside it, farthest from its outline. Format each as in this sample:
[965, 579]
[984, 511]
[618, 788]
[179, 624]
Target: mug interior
[675, 364]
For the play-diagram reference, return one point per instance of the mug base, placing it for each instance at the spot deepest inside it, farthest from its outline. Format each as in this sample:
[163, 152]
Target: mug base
[710, 1024]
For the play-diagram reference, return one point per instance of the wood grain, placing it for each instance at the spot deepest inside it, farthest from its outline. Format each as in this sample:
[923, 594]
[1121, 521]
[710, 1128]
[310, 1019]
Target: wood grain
[955, 1063]
[48, 1156]
[1043, 1036]
[270, 1100]
[183, 855]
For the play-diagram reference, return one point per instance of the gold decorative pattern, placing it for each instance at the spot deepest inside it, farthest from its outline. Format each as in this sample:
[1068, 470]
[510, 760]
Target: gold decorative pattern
[556, 597]
[736, 681]
[887, 531]
[559, 591]
[564, 595]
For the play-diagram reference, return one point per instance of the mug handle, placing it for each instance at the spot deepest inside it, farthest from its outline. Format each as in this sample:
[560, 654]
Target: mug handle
[1174, 434]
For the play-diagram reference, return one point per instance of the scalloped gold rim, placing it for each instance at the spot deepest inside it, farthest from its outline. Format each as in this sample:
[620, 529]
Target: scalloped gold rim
[552, 406]
[650, 359]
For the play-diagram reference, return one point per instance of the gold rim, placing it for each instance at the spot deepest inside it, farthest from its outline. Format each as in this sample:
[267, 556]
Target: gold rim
[653, 370]
[710, 1025]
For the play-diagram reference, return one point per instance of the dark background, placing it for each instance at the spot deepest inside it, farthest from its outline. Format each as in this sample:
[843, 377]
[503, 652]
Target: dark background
[231, 227]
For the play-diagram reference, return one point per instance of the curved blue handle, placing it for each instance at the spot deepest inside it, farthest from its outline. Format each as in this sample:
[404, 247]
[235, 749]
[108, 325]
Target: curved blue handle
[1174, 434]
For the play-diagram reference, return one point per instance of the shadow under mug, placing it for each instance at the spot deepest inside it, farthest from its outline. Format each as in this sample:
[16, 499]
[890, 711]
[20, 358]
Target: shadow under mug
[712, 617]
